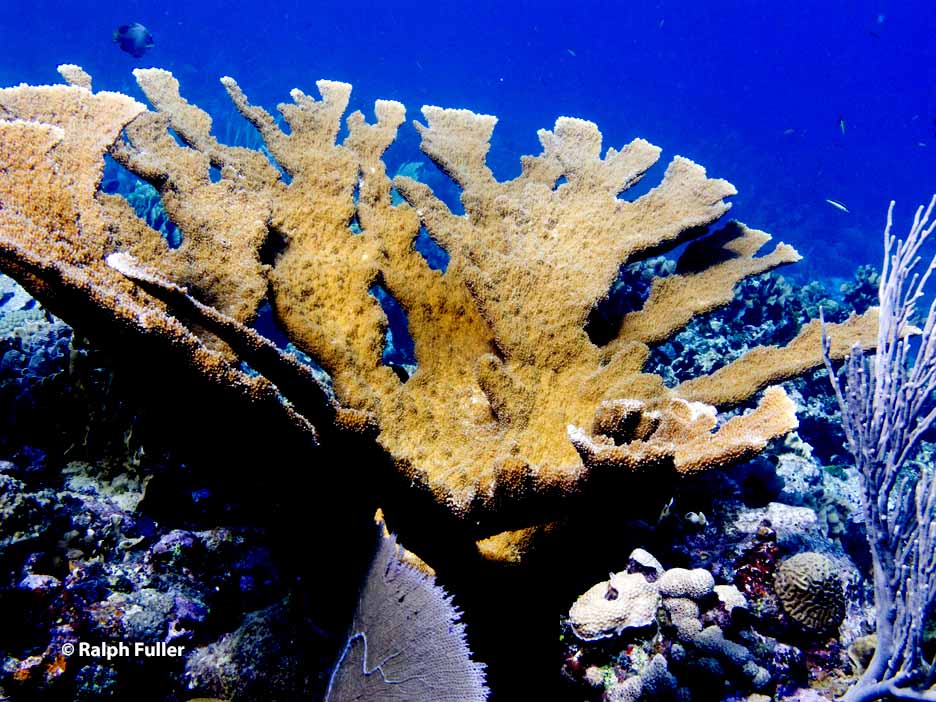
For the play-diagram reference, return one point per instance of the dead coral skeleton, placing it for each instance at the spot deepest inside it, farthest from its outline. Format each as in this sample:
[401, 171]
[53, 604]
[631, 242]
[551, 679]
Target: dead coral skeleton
[511, 408]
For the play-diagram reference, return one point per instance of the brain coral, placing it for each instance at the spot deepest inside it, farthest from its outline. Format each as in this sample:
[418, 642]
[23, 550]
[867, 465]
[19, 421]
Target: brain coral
[811, 591]
[512, 407]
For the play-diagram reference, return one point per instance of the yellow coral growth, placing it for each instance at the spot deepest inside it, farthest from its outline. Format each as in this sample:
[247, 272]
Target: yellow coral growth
[57, 230]
[681, 435]
[511, 402]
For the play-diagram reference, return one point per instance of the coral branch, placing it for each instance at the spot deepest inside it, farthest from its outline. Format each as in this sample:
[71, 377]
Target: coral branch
[714, 265]
[736, 382]
[504, 366]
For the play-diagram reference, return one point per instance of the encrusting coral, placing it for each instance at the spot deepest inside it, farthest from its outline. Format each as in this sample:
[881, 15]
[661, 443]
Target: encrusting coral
[663, 628]
[511, 406]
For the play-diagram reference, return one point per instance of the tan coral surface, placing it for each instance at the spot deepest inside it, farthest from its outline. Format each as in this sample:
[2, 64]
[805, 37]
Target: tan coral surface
[511, 402]
[624, 601]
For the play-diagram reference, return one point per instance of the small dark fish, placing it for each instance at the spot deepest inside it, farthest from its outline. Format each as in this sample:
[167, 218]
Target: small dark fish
[134, 38]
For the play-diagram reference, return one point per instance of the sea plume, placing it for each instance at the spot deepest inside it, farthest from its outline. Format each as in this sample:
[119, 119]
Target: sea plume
[887, 408]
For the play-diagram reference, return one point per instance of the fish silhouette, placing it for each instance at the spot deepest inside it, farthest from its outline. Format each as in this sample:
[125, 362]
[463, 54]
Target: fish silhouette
[134, 38]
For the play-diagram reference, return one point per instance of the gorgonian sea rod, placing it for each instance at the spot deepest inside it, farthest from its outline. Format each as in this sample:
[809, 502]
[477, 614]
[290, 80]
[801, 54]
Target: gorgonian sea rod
[511, 406]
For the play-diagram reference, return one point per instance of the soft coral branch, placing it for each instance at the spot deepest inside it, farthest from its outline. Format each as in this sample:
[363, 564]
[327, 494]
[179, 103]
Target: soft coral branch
[883, 403]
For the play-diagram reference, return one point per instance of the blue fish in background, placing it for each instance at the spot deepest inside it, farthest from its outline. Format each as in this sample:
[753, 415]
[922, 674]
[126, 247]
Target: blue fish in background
[134, 38]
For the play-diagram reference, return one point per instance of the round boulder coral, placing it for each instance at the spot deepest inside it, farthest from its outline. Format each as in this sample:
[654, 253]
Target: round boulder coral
[810, 591]
[626, 601]
[680, 582]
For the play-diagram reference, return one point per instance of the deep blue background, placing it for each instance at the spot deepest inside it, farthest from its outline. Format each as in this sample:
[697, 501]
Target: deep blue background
[754, 91]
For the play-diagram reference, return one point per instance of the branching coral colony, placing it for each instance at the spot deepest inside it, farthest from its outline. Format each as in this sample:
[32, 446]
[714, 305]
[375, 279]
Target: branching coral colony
[512, 407]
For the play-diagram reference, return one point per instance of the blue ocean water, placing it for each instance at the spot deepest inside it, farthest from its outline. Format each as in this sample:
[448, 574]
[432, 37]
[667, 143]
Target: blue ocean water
[794, 103]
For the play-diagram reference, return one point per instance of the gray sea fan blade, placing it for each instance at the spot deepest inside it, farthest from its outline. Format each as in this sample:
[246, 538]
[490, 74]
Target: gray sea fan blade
[407, 642]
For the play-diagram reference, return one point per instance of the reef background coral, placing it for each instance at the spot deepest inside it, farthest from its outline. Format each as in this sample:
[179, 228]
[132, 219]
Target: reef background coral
[193, 498]
[637, 70]
[512, 407]
[787, 105]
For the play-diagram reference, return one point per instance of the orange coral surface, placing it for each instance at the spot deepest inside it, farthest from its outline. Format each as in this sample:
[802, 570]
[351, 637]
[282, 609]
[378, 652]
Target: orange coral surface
[511, 400]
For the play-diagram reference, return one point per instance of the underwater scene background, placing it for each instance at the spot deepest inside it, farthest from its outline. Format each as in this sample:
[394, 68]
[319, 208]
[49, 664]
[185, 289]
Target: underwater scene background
[205, 476]
[793, 103]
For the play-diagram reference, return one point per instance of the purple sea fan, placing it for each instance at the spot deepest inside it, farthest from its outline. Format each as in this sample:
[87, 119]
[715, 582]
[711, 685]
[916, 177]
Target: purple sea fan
[407, 643]
[886, 407]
